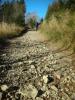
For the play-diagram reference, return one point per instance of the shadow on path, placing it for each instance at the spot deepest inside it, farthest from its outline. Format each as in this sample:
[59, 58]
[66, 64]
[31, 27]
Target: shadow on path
[24, 31]
[4, 45]
[4, 42]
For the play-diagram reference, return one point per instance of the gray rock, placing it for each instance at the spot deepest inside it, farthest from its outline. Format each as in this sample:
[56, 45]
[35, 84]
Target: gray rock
[3, 54]
[32, 67]
[20, 63]
[45, 78]
[31, 62]
[4, 87]
[38, 98]
[57, 76]
[73, 96]
[54, 88]
[29, 91]
[0, 96]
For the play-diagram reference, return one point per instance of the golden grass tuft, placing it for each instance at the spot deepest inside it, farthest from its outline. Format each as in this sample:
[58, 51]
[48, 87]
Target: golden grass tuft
[61, 28]
[9, 29]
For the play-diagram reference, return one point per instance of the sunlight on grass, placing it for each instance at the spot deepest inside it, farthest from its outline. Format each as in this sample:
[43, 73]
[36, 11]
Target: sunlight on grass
[9, 29]
[62, 29]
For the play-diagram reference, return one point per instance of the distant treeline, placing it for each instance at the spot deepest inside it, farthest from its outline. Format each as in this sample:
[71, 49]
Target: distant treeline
[59, 5]
[13, 12]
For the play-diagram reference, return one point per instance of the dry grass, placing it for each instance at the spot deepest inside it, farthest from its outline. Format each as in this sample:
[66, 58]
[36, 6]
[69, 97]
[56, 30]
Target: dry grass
[9, 29]
[60, 28]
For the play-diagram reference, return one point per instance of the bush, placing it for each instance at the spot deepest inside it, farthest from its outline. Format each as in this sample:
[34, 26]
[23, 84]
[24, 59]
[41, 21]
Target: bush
[60, 29]
[20, 20]
[7, 30]
[32, 23]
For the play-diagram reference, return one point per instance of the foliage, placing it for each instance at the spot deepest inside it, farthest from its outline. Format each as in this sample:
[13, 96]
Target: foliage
[9, 30]
[20, 20]
[59, 5]
[62, 29]
[32, 23]
[7, 12]
[13, 11]
[59, 24]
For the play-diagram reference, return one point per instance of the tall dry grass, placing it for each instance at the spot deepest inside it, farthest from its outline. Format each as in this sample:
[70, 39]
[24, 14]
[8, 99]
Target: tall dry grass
[60, 27]
[9, 29]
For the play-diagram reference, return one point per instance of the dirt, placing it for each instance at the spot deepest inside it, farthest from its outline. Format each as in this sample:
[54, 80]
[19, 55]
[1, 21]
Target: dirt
[33, 68]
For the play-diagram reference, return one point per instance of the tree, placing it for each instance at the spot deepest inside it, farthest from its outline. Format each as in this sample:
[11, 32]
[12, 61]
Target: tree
[48, 12]
[7, 12]
[21, 9]
[1, 11]
[70, 4]
[14, 11]
[59, 5]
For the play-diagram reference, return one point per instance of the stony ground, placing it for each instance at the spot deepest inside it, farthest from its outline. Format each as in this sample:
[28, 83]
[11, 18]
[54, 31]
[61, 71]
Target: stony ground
[31, 69]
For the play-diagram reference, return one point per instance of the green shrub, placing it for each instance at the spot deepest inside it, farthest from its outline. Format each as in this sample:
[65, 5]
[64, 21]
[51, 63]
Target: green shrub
[32, 23]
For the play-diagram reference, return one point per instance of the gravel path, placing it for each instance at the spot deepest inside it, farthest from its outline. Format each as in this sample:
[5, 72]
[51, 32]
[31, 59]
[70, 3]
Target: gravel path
[31, 70]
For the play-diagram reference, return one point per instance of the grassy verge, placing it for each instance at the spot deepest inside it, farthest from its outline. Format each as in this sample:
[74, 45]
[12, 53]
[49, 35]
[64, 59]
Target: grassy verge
[61, 28]
[9, 30]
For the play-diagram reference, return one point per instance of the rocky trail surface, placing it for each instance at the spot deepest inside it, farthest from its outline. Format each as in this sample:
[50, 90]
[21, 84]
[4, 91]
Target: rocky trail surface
[31, 70]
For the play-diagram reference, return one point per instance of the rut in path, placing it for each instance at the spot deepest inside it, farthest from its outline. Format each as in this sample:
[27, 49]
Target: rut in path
[29, 62]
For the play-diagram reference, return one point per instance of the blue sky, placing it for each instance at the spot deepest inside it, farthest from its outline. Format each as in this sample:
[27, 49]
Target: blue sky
[37, 6]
